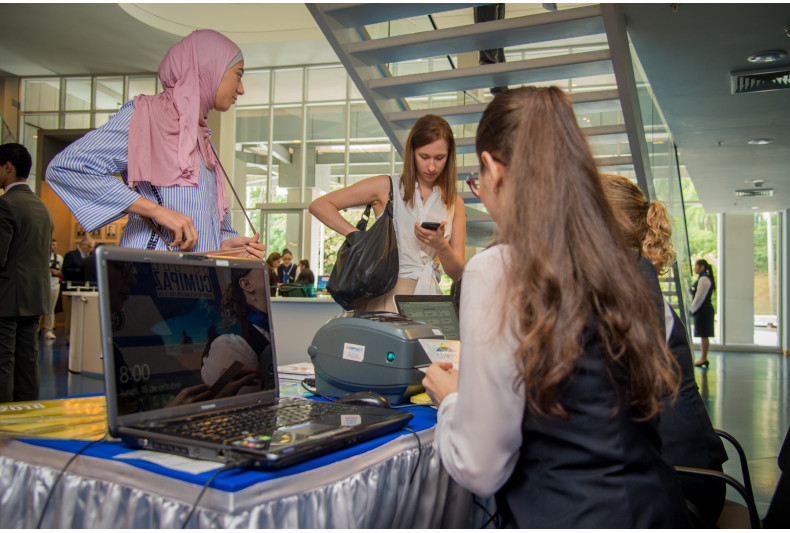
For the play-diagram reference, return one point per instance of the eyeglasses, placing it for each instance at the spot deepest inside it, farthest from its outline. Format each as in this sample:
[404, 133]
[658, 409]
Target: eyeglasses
[474, 183]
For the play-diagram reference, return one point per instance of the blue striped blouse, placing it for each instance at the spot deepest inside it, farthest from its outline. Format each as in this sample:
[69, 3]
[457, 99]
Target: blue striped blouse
[81, 175]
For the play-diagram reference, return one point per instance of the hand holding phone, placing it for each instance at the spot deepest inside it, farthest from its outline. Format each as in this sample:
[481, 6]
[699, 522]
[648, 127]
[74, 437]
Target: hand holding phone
[433, 226]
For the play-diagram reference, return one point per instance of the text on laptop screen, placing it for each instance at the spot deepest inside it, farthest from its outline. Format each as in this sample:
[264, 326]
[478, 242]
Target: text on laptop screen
[440, 314]
[184, 334]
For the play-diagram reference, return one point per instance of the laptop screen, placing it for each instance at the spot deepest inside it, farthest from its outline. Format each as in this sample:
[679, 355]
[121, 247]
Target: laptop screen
[322, 281]
[438, 311]
[184, 331]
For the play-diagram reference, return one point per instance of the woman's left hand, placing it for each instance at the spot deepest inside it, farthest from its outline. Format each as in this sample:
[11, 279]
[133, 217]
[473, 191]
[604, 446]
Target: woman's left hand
[433, 238]
[439, 381]
[255, 249]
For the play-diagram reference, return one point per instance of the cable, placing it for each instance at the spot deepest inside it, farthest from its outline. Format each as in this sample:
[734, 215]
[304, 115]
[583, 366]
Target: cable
[60, 474]
[315, 391]
[419, 452]
[230, 466]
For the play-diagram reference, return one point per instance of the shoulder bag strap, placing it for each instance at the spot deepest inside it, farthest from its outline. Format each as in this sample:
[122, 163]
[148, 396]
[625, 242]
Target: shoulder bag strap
[363, 222]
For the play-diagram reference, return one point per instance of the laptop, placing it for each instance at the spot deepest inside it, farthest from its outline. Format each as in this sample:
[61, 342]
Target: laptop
[437, 310]
[322, 281]
[190, 364]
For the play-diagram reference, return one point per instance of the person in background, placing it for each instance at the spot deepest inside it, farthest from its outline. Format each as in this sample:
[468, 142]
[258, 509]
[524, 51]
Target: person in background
[287, 272]
[306, 276]
[72, 272]
[565, 375]
[173, 182]
[25, 246]
[72, 262]
[273, 261]
[687, 434]
[702, 308]
[55, 276]
[425, 192]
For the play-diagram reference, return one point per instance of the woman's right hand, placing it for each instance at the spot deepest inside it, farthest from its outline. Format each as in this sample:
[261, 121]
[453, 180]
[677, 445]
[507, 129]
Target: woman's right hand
[183, 228]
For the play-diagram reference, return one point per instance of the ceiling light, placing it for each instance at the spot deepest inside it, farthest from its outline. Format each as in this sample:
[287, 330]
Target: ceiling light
[768, 56]
[763, 140]
[755, 207]
[754, 192]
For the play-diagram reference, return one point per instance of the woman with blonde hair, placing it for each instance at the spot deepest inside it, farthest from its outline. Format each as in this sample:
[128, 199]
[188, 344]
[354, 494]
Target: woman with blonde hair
[554, 407]
[687, 434]
[424, 193]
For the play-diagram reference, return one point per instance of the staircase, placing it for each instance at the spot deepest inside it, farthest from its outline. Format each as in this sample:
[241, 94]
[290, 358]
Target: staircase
[408, 60]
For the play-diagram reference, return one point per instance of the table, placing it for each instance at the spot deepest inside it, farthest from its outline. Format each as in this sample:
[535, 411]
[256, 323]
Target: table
[364, 486]
[85, 335]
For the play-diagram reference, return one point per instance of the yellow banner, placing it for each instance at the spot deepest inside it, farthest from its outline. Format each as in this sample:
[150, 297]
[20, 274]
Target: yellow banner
[69, 418]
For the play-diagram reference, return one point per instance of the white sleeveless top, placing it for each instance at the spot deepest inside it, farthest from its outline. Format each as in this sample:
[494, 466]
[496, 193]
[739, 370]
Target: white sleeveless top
[417, 260]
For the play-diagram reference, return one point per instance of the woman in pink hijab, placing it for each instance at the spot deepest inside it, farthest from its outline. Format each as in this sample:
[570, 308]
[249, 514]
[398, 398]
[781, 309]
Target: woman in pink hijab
[160, 147]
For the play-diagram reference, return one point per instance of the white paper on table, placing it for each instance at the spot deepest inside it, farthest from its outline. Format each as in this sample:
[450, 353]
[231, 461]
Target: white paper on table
[173, 462]
[442, 351]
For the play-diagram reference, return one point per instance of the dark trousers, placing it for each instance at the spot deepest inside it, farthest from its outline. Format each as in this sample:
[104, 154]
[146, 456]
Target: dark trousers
[18, 358]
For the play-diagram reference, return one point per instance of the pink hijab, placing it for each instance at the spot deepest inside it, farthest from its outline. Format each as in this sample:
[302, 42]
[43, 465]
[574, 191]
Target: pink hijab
[168, 134]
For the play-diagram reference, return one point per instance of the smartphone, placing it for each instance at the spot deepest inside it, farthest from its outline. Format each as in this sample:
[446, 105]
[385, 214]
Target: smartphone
[431, 225]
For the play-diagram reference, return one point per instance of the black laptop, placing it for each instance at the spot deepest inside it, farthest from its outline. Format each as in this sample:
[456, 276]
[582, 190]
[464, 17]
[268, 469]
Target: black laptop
[190, 364]
[437, 310]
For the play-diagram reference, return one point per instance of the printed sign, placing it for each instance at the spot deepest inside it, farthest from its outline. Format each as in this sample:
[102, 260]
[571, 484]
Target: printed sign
[181, 281]
[442, 351]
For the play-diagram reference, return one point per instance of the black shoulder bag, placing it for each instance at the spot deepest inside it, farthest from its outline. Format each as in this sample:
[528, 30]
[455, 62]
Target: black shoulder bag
[367, 262]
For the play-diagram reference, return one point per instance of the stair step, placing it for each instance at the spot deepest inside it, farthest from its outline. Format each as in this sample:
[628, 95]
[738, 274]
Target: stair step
[463, 172]
[563, 24]
[542, 69]
[587, 102]
[351, 15]
[595, 135]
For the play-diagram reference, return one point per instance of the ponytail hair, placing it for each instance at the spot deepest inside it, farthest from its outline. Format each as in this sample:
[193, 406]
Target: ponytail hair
[647, 228]
[709, 269]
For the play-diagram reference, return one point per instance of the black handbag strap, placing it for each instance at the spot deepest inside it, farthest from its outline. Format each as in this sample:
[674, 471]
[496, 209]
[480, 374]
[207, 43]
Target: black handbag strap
[363, 222]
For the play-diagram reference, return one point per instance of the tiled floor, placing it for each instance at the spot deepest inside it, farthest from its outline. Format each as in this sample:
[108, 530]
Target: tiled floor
[746, 395]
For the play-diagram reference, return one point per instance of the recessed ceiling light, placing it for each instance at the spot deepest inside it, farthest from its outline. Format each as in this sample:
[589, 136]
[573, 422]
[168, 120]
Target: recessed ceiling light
[763, 140]
[755, 207]
[768, 56]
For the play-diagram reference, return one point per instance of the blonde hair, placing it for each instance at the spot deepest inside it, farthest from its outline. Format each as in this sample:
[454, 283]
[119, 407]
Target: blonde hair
[648, 223]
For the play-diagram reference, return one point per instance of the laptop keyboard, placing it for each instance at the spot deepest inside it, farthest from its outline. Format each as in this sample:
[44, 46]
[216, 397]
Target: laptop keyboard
[232, 425]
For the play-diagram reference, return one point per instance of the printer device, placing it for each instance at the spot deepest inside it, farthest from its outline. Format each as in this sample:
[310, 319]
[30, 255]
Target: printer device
[371, 351]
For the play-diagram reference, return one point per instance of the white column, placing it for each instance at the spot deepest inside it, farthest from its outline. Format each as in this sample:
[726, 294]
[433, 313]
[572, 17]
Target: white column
[735, 279]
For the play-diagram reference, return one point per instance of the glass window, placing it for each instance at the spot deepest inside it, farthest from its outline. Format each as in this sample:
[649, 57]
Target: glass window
[287, 86]
[326, 83]
[252, 125]
[141, 85]
[364, 124]
[287, 124]
[78, 94]
[100, 119]
[41, 95]
[256, 88]
[766, 297]
[77, 121]
[284, 230]
[326, 123]
[109, 93]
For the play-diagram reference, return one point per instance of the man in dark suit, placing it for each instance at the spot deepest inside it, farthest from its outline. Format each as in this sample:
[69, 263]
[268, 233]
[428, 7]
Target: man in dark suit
[25, 237]
[72, 261]
[73, 271]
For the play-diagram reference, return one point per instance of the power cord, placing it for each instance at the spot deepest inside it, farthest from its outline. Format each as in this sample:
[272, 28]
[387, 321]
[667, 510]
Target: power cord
[60, 475]
[491, 517]
[419, 453]
[230, 466]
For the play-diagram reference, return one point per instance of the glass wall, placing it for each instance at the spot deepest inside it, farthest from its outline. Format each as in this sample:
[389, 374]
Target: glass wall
[76, 102]
[313, 135]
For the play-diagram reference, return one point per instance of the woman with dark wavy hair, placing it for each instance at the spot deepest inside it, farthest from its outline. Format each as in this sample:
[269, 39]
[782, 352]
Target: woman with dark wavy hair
[554, 408]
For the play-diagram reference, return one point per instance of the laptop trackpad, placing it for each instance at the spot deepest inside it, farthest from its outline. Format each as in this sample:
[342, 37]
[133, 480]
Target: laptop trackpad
[295, 435]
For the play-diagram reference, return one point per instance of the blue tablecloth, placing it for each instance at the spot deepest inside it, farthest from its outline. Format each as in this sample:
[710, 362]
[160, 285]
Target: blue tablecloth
[235, 480]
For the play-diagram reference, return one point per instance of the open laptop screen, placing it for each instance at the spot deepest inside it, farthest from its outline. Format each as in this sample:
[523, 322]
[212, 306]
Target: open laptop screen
[438, 311]
[184, 333]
